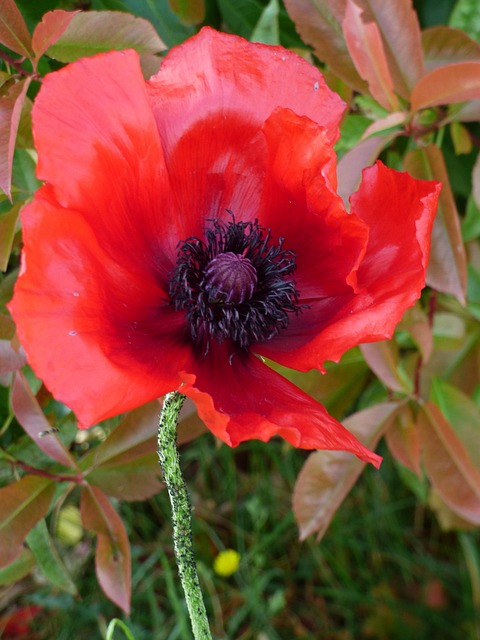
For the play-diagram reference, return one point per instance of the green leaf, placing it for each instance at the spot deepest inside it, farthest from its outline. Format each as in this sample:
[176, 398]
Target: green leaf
[241, 16]
[118, 623]
[24, 165]
[13, 30]
[24, 503]
[19, 568]
[466, 16]
[471, 222]
[473, 292]
[476, 182]
[159, 13]
[49, 561]
[352, 129]
[10, 111]
[267, 29]
[8, 222]
[112, 558]
[188, 11]
[462, 142]
[92, 32]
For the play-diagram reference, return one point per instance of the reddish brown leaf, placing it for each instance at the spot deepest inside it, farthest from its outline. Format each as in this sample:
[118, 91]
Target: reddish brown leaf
[390, 124]
[10, 110]
[448, 519]
[31, 417]
[49, 30]
[189, 11]
[447, 269]
[382, 358]
[327, 476]
[403, 440]
[366, 48]
[11, 359]
[462, 413]
[444, 45]
[416, 323]
[126, 465]
[112, 558]
[91, 32]
[24, 503]
[457, 82]
[350, 167]
[448, 464]
[13, 30]
[398, 24]
[136, 479]
[319, 25]
[134, 436]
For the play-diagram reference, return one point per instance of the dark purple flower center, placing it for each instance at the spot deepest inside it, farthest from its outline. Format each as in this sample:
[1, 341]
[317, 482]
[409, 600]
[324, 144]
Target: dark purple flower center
[230, 278]
[235, 285]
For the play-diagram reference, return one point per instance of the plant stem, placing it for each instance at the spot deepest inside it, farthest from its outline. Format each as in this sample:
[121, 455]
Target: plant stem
[181, 514]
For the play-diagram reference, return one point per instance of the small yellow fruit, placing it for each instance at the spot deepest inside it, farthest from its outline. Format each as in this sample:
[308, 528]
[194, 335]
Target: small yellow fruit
[69, 525]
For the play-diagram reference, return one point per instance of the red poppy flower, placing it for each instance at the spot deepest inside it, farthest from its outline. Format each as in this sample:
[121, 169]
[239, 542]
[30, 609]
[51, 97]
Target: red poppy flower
[17, 623]
[189, 226]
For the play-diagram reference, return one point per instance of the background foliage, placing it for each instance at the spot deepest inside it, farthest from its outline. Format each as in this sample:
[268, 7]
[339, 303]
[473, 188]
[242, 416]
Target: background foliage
[388, 554]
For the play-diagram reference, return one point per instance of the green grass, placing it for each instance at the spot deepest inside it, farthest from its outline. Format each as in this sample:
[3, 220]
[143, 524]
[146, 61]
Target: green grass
[384, 570]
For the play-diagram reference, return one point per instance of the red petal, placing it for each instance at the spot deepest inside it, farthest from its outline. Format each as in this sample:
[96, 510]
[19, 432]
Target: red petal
[399, 212]
[300, 204]
[217, 73]
[245, 400]
[217, 166]
[98, 145]
[96, 333]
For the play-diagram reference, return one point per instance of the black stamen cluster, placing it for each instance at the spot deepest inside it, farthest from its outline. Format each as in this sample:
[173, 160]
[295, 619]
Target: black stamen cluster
[260, 314]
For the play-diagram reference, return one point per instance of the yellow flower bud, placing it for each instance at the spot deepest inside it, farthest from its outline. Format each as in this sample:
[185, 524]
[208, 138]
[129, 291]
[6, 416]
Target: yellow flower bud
[226, 563]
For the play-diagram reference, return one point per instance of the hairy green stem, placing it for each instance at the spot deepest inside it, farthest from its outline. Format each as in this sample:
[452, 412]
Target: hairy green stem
[181, 514]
